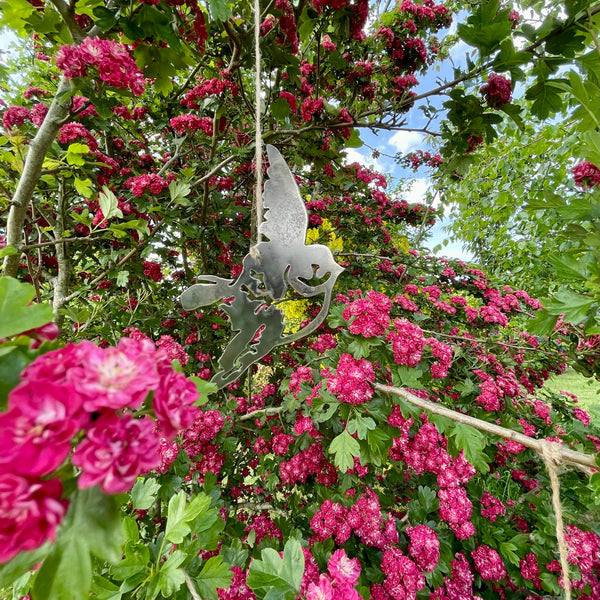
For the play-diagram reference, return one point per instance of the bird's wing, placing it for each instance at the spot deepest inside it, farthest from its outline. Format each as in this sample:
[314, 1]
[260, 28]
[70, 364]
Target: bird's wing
[286, 219]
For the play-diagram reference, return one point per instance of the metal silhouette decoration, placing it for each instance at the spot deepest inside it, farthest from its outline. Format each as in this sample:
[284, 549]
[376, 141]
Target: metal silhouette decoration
[269, 269]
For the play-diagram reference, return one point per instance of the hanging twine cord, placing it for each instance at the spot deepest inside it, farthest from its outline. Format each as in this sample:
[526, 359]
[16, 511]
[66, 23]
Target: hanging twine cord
[551, 455]
[258, 206]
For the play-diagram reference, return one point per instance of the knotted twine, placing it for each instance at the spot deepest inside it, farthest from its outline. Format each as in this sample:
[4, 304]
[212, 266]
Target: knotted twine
[551, 455]
[258, 207]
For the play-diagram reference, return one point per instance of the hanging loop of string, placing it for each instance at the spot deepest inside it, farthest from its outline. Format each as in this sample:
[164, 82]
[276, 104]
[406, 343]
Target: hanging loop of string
[550, 453]
[258, 206]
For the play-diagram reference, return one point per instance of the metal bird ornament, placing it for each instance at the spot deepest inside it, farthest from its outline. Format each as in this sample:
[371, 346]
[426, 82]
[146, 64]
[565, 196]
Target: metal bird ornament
[269, 269]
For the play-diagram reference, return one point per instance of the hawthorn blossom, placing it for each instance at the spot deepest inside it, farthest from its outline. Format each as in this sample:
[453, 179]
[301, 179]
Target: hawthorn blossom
[115, 451]
[424, 547]
[36, 432]
[173, 404]
[497, 90]
[586, 175]
[117, 377]
[488, 563]
[352, 380]
[112, 60]
[343, 570]
[15, 116]
[30, 512]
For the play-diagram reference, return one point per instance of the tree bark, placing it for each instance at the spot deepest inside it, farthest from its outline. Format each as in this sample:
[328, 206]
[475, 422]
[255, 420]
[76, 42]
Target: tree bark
[32, 170]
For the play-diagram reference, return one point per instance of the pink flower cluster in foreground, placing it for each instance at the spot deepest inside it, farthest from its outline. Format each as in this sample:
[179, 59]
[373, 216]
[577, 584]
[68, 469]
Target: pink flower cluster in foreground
[343, 574]
[586, 175]
[115, 65]
[352, 380]
[82, 387]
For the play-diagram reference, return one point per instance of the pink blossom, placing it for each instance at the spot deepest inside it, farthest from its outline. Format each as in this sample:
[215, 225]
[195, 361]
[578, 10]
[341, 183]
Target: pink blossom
[117, 377]
[403, 577]
[115, 451]
[323, 591]
[15, 116]
[330, 521]
[343, 570]
[173, 403]
[149, 182]
[371, 315]
[582, 416]
[586, 175]
[497, 90]
[424, 547]
[407, 342]
[352, 379]
[30, 512]
[115, 65]
[488, 563]
[36, 433]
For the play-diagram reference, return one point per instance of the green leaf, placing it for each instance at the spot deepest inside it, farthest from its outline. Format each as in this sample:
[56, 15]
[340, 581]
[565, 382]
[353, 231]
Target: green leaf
[92, 526]
[276, 578]
[75, 153]
[569, 267]
[507, 551]
[84, 187]
[109, 204]
[170, 576]
[179, 191]
[354, 141]
[204, 388]
[361, 425]
[215, 574]
[345, 448]
[21, 564]
[280, 109]
[14, 14]
[8, 251]
[104, 17]
[219, 10]
[546, 96]
[472, 441]
[123, 278]
[104, 589]
[180, 514]
[573, 305]
[144, 493]
[16, 313]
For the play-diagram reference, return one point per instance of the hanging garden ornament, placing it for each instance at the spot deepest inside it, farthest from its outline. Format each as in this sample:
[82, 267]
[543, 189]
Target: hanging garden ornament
[269, 269]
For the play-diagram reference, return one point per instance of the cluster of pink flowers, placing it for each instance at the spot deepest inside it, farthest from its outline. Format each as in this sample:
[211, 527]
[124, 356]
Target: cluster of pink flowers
[15, 116]
[424, 547]
[263, 526]
[184, 123]
[497, 90]
[58, 395]
[403, 578]
[371, 315]
[488, 563]
[311, 108]
[331, 521]
[287, 24]
[343, 574]
[414, 160]
[492, 507]
[309, 462]
[217, 86]
[586, 174]
[407, 342]
[151, 182]
[115, 65]
[530, 569]
[70, 132]
[364, 519]
[352, 380]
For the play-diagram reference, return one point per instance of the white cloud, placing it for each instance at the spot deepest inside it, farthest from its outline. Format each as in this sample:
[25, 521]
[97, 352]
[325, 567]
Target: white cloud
[417, 191]
[366, 160]
[405, 141]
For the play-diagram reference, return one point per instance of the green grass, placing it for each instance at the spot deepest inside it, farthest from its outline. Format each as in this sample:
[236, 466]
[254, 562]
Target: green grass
[586, 389]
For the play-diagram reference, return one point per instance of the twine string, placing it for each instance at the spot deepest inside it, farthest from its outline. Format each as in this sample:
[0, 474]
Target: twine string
[258, 143]
[550, 453]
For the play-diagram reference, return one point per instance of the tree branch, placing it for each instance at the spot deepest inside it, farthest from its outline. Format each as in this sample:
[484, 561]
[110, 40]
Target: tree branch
[579, 459]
